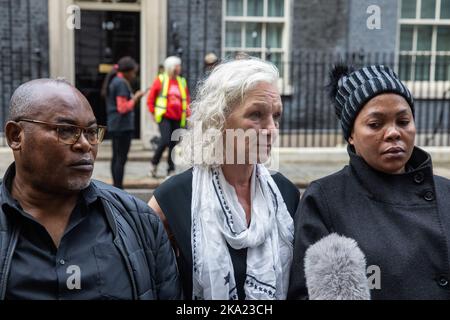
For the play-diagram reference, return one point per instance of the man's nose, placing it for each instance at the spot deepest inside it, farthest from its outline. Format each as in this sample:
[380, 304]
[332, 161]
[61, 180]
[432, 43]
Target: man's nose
[82, 144]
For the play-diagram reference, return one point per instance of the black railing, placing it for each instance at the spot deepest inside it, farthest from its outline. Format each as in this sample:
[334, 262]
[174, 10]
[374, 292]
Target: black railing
[309, 118]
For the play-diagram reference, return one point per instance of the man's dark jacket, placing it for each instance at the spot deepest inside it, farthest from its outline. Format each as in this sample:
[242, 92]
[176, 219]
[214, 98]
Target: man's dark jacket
[138, 234]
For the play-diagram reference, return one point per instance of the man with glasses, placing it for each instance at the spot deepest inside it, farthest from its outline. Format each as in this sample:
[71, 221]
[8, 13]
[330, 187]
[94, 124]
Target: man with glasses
[62, 235]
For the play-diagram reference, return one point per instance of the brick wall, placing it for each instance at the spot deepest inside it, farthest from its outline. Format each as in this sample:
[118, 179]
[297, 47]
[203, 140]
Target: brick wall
[195, 27]
[23, 39]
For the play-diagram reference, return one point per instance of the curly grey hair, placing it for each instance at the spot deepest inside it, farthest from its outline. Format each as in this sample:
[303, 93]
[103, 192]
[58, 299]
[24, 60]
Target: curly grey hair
[223, 90]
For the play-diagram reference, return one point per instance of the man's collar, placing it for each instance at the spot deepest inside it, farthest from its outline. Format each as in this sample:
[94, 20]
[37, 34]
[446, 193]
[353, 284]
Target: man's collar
[6, 188]
[90, 194]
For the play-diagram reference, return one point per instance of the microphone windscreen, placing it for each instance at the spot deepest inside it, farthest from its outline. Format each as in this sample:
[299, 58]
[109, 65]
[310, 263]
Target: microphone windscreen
[335, 269]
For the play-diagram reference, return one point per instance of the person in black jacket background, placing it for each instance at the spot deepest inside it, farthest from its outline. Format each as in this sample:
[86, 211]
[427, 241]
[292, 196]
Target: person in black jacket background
[120, 105]
[63, 236]
[387, 198]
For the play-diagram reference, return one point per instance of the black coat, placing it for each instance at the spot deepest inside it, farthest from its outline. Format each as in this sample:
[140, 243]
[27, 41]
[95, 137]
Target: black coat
[174, 197]
[400, 222]
[138, 234]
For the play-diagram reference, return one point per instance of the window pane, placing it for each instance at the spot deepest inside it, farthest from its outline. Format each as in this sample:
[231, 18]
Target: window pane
[443, 39]
[274, 35]
[422, 68]
[276, 59]
[253, 35]
[424, 35]
[235, 7]
[404, 68]
[428, 10]
[443, 68]
[406, 38]
[408, 8]
[276, 8]
[445, 9]
[233, 34]
[255, 8]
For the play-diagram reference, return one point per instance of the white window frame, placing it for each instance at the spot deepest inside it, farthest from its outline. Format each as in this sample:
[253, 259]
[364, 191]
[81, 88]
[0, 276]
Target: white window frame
[284, 84]
[430, 89]
[110, 6]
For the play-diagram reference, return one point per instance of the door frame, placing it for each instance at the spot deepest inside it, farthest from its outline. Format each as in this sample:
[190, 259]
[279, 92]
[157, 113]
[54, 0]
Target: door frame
[153, 44]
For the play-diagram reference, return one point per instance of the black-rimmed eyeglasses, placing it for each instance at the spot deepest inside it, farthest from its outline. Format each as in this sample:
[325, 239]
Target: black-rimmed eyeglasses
[69, 134]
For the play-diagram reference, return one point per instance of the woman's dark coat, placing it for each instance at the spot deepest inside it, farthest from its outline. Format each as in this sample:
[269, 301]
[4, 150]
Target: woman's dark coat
[400, 222]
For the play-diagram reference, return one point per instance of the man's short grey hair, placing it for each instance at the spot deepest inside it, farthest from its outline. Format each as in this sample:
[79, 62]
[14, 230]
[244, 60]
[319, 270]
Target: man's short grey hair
[170, 64]
[25, 96]
[224, 89]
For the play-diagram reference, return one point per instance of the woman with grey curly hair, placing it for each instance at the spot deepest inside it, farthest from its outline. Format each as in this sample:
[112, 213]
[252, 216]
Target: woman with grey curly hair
[229, 219]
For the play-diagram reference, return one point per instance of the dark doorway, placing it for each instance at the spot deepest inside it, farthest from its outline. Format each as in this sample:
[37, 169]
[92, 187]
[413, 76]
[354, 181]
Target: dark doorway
[104, 38]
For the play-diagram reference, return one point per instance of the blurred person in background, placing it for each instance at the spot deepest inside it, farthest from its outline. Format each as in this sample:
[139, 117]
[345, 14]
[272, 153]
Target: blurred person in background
[211, 61]
[168, 102]
[120, 105]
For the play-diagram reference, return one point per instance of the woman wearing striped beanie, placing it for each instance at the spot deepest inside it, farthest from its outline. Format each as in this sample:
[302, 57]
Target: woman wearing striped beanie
[387, 199]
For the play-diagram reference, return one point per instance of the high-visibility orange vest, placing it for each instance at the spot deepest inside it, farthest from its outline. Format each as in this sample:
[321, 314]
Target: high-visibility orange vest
[161, 101]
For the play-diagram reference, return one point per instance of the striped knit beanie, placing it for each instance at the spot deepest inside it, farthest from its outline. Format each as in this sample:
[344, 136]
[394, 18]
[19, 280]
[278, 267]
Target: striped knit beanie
[351, 90]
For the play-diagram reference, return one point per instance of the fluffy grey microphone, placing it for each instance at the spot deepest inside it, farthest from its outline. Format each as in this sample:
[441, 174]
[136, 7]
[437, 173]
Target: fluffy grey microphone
[335, 269]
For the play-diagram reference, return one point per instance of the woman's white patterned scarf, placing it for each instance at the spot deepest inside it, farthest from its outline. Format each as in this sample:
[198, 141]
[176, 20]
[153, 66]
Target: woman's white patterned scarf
[218, 219]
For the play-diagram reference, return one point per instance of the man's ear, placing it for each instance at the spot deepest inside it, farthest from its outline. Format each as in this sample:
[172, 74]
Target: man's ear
[14, 135]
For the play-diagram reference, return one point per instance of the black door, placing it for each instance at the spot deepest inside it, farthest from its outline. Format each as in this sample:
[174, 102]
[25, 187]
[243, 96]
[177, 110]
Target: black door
[104, 38]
